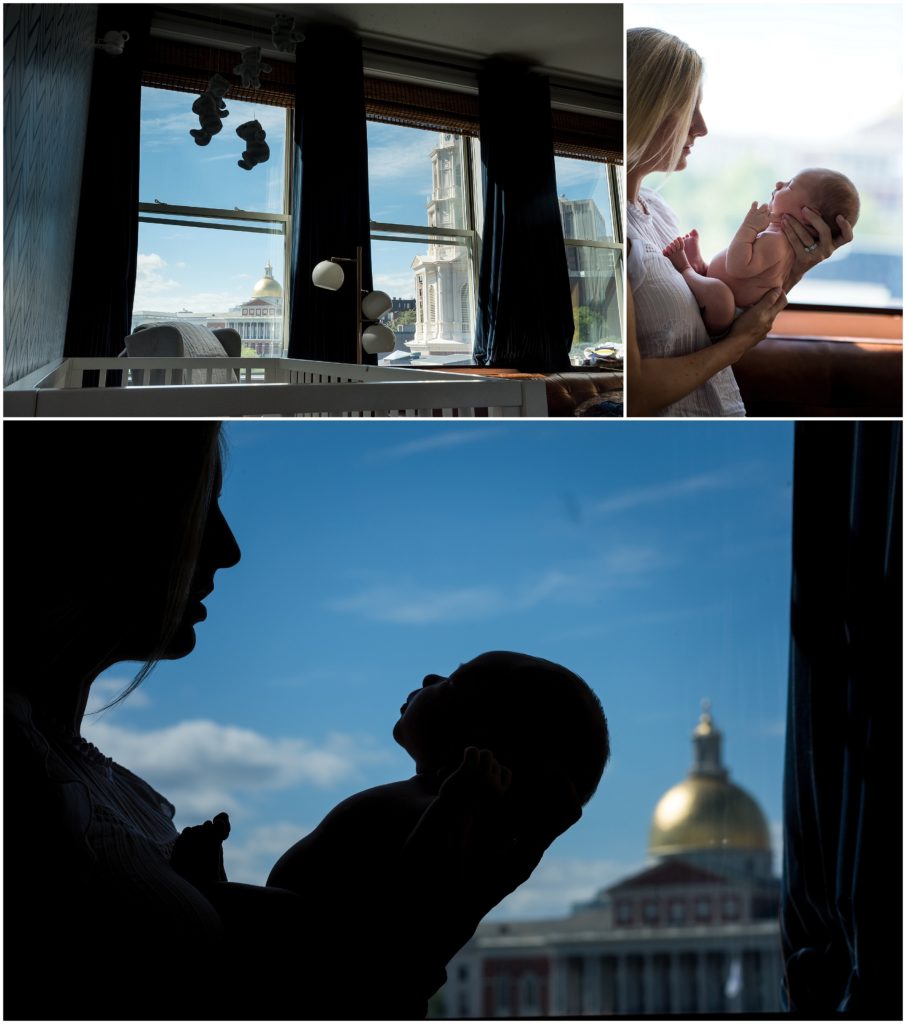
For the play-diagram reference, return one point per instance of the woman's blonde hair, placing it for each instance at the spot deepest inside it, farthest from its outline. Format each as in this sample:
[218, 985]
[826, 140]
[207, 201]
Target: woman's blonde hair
[664, 81]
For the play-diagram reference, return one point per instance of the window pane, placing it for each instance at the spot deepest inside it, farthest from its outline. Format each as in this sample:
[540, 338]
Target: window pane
[416, 177]
[851, 122]
[177, 171]
[595, 278]
[430, 283]
[217, 278]
[586, 208]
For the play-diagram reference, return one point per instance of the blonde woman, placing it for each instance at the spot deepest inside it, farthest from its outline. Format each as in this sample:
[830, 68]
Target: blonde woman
[673, 367]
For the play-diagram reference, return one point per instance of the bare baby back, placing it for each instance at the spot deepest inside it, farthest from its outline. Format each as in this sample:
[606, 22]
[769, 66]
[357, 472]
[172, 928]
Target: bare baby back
[773, 252]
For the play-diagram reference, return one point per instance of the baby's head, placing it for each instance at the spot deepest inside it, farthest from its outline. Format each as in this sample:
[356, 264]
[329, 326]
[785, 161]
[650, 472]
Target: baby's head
[527, 711]
[829, 193]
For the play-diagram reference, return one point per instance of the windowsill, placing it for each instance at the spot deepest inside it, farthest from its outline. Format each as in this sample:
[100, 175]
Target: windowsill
[808, 322]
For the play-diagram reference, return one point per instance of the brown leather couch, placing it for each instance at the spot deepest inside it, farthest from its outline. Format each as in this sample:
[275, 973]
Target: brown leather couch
[572, 393]
[802, 377]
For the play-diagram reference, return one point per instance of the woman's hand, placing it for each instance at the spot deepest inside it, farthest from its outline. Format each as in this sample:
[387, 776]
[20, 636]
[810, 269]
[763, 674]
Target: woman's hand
[811, 247]
[753, 325]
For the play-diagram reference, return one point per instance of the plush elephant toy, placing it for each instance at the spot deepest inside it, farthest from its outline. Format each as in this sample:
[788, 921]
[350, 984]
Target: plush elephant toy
[251, 67]
[257, 150]
[211, 110]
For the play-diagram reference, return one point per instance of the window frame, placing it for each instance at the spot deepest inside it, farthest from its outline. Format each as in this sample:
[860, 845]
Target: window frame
[171, 213]
[382, 231]
[615, 195]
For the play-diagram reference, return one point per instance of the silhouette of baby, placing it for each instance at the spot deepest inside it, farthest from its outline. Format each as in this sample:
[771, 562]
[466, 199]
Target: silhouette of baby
[507, 750]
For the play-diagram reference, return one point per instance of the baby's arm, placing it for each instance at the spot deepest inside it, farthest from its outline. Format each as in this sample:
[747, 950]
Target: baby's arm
[745, 258]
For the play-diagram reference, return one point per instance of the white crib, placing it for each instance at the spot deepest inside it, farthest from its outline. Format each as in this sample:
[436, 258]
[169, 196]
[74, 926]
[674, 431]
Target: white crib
[153, 387]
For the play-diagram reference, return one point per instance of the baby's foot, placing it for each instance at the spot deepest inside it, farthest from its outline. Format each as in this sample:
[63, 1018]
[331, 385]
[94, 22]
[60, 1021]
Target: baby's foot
[676, 253]
[693, 252]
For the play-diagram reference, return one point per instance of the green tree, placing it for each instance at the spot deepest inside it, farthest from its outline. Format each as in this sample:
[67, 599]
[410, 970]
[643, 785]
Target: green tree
[405, 318]
[587, 323]
[248, 353]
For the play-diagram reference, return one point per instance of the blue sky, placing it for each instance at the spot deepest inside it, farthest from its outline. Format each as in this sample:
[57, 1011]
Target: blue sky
[208, 271]
[653, 559]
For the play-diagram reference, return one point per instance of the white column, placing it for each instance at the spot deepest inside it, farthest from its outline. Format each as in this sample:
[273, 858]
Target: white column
[622, 985]
[701, 983]
[591, 985]
[647, 982]
[558, 987]
[675, 989]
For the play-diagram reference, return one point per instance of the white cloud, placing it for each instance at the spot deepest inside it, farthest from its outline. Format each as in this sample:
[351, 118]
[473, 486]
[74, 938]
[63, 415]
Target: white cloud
[399, 159]
[151, 279]
[251, 861]
[202, 766]
[659, 493]
[400, 285]
[435, 441]
[107, 688]
[417, 605]
[557, 884]
[411, 602]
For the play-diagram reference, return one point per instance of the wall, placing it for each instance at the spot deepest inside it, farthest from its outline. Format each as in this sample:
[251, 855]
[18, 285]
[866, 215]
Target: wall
[47, 62]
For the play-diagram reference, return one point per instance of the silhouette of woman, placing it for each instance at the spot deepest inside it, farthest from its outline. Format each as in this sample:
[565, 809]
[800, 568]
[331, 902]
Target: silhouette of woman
[113, 538]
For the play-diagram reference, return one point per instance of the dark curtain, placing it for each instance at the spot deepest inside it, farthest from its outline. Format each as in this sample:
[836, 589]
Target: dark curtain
[330, 192]
[841, 912]
[525, 317]
[106, 249]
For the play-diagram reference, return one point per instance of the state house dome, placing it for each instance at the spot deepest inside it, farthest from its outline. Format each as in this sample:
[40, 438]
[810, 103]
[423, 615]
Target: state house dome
[267, 287]
[707, 812]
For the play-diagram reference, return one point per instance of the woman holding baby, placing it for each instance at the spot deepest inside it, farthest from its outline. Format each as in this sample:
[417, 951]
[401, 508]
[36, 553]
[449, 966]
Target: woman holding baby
[673, 367]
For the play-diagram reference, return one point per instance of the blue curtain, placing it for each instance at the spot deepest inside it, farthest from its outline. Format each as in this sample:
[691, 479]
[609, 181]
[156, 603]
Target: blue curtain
[525, 317]
[841, 913]
[330, 192]
[106, 248]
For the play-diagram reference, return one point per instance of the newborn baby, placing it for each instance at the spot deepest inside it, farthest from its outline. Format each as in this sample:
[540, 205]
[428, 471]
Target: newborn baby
[760, 256]
[507, 750]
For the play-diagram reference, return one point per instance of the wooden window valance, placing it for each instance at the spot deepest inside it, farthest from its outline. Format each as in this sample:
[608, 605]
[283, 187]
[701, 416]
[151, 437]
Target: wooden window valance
[186, 67]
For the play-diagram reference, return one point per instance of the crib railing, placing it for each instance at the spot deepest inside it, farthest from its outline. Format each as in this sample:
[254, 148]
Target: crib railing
[263, 387]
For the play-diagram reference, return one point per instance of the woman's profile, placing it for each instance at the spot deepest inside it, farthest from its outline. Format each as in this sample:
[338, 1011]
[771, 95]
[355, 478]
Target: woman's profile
[672, 366]
[113, 539]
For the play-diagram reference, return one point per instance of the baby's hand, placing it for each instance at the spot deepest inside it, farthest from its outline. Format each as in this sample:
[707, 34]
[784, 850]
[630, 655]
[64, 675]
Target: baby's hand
[758, 217]
[480, 777]
[198, 851]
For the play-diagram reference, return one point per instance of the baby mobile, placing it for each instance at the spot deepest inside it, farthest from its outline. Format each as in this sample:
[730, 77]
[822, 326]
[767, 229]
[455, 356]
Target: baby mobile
[211, 108]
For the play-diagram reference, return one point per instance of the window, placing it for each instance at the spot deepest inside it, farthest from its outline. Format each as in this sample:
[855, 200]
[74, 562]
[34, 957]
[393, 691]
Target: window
[759, 136]
[423, 239]
[590, 213]
[651, 911]
[703, 909]
[677, 912]
[729, 908]
[212, 244]
[624, 912]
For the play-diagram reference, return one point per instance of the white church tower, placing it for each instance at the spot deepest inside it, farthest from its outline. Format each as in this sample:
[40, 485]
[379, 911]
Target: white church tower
[442, 280]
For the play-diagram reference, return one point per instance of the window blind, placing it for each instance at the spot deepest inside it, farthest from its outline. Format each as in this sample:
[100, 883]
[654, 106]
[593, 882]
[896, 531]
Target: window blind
[186, 67]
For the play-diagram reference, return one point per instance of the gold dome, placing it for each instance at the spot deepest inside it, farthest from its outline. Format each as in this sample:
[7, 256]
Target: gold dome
[706, 811]
[267, 287]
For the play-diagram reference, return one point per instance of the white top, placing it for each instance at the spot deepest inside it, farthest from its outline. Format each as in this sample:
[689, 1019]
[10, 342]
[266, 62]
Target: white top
[668, 321]
[122, 828]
